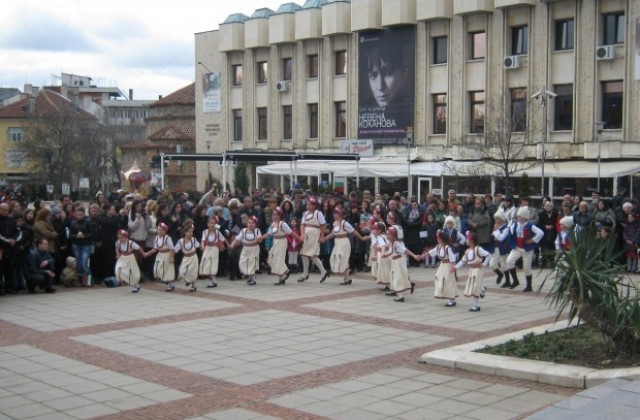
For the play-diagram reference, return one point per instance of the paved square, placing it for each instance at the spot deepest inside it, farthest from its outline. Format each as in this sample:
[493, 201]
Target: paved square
[234, 414]
[76, 309]
[402, 393]
[37, 383]
[250, 348]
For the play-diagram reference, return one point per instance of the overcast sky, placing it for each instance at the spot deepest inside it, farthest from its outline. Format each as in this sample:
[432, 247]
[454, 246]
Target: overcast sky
[144, 45]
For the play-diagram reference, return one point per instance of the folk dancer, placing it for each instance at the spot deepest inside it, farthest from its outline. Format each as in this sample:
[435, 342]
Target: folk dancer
[527, 236]
[279, 231]
[312, 232]
[163, 268]
[250, 238]
[445, 283]
[188, 270]
[473, 256]
[127, 270]
[400, 281]
[502, 246]
[341, 252]
[212, 243]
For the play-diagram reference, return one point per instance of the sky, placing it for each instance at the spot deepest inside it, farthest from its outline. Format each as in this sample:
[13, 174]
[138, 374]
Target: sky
[144, 45]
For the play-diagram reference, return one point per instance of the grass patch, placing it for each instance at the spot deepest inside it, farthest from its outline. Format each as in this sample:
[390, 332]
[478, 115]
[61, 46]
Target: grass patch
[580, 346]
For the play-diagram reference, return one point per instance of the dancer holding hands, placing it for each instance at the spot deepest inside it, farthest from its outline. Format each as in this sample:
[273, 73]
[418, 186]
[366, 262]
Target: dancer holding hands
[250, 238]
[188, 245]
[400, 281]
[446, 287]
[473, 256]
[279, 231]
[163, 268]
[342, 246]
[212, 243]
[127, 270]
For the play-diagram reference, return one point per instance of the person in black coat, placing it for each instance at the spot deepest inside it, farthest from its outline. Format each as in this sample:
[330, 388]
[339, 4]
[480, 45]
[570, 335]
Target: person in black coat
[39, 268]
[547, 221]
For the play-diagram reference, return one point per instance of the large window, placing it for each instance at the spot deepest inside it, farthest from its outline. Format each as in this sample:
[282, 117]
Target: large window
[341, 119]
[16, 134]
[262, 71]
[563, 111]
[287, 122]
[287, 68]
[477, 112]
[237, 125]
[519, 109]
[440, 113]
[613, 29]
[313, 121]
[478, 45]
[440, 47]
[236, 75]
[312, 66]
[341, 62]
[612, 103]
[262, 123]
[564, 34]
[519, 40]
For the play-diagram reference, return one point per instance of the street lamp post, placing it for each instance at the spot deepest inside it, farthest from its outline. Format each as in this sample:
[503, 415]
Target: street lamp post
[208, 142]
[543, 96]
[409, 142]
[599, 127]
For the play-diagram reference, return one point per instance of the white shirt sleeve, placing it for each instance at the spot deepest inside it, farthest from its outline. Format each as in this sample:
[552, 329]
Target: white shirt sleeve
[348, 227]
[538, 233]
[178, 246]
[134, 246]
[286, 228]
[321, 218]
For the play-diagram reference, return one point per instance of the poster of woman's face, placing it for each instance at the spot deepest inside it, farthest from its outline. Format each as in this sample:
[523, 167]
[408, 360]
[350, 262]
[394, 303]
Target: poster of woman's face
[386, 83]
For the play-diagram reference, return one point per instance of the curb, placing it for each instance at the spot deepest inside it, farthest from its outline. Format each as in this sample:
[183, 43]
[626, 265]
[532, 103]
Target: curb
[464, 357]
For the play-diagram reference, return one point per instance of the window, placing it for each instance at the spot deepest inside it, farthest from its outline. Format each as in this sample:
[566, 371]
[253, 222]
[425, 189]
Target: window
[341, 119]
[313, 120]
[440, 49]
[478, 45]
[341, 62]
[613, 29]
[287, 68]
[519, 40]
[237, 125]
[440, 113]
[564, 35]
[563, 112]
[312, 66]
[262, 72]
[518, 109]
[262, 123]
[16, 134]
[477, 112]
[236, 74]
[612, 104]
[287, 120]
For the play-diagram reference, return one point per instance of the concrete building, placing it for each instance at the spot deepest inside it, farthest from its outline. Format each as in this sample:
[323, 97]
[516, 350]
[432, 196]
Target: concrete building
[304, 78]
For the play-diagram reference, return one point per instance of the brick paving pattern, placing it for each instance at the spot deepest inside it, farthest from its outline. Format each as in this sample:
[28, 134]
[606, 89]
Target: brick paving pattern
[302, 351]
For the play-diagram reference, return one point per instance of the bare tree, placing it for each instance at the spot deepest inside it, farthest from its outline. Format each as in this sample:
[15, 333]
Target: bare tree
[504, 148]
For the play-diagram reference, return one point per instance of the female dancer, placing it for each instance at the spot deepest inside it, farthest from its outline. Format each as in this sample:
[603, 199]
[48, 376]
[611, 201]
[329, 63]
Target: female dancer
[312, 229]
[163, 268]
[188, 270]
[279, 231]
[383, 252]
[212, 244]
[127, 271]
[250, 238]
[342, 247]
[445, 283]
[400, 281]
[473, 256]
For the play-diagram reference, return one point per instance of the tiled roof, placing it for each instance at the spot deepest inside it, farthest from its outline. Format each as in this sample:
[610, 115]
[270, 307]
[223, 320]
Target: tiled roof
[46, 104]
[169, 133]
[184, 96]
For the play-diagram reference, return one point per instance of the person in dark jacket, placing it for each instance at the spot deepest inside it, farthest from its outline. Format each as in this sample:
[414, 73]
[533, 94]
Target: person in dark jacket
[9, 235]
[39, 268]
[81, 235]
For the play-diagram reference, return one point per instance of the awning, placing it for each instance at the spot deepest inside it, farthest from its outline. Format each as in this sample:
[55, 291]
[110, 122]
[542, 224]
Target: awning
[585, 169]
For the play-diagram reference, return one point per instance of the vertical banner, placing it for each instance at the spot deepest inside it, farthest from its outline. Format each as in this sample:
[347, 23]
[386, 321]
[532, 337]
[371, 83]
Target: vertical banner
[638, 49]
[386, 74]
[211, 92]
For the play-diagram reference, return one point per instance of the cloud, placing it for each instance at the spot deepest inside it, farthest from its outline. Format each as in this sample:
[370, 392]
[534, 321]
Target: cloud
[37, 32]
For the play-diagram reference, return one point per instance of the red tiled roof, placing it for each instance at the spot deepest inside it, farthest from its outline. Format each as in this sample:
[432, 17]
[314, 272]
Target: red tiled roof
[169, 133]
[46, 104]
[184, 96]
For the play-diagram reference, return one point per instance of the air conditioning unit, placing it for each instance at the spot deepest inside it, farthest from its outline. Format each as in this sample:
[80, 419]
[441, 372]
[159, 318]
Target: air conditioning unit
[604, 52]
[282, 86]
[511, 62]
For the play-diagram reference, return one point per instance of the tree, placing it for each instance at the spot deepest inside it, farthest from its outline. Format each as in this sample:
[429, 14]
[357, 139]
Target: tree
[241, 179]
[504, 149]
[525, 185]
[63, 142]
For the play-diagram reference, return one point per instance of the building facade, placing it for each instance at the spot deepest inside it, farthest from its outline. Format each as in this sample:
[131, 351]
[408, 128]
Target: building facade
[310, 77]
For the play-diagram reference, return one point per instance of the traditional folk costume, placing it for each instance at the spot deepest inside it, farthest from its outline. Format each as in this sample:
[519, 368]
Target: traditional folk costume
[127, 270]
[212, 243]
[373, 254]
[188, 270]
[527, 237]
[383, 276]
[250, 254]
[163, 268]
[341, 252]
[473, 257]
[400, 281]
[502, 246]
[280, 231]
[446, 287]
[312, 221]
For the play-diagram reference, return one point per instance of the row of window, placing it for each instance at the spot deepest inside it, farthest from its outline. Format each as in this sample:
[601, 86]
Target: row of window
[612, 101]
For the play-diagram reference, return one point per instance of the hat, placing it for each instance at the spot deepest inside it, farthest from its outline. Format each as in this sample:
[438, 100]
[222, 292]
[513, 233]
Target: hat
[163, 226]
[123, 233]
[338, 210]
[449, 219]
[312, 200]
[279, 210]
[392, 215]
[392, 231]
[500, 215]
[567, 221]
[523, 212]
[99, 193]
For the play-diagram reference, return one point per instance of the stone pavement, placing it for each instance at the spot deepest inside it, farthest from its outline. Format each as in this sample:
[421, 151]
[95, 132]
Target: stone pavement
[302, 351]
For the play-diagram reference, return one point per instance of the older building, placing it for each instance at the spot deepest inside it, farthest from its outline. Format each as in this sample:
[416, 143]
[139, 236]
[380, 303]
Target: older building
[430, 81]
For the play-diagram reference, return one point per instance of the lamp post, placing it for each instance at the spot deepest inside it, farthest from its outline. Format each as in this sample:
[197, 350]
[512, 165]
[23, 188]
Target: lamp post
[599, 128]
[543, 96]
[208, 143]
[409, 141]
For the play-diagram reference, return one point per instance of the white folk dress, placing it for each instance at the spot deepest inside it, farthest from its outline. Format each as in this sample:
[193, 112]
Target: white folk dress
[188, 270]
[250, 254]
[341, 252]
[278, 252]
[399, 273]
[383, 276]
[163, 268]
[211, 241]
[473, 258]
[127, 269]
[373, 254]
[446, 287]
[312, 221]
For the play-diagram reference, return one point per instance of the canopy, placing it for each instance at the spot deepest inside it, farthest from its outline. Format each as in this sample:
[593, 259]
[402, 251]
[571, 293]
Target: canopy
[585, 169]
